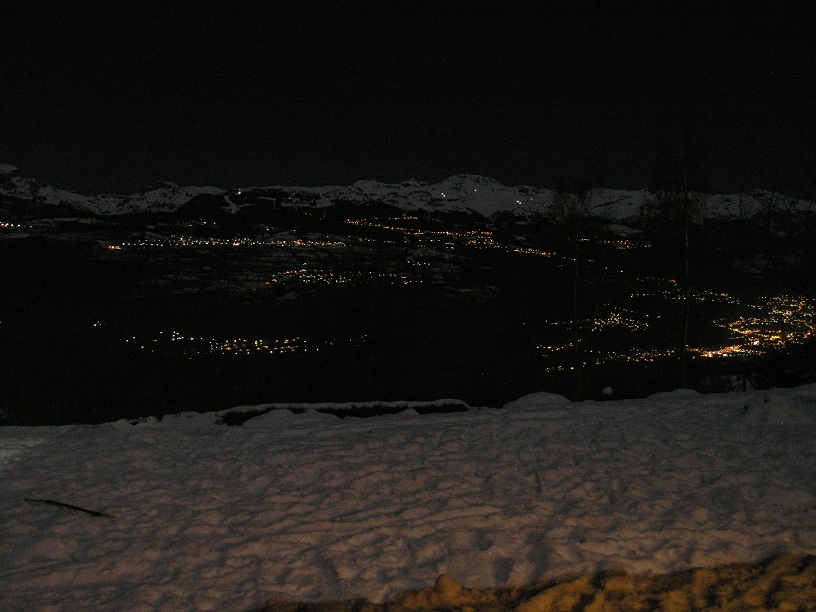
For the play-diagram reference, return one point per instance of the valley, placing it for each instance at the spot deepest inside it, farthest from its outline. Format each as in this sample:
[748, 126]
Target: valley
[209, 305]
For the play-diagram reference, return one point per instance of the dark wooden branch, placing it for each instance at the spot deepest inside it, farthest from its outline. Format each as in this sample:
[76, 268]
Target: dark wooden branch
[59, 504]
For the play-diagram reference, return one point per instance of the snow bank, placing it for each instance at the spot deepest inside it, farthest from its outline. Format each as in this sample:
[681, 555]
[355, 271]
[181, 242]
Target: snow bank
[314, 507]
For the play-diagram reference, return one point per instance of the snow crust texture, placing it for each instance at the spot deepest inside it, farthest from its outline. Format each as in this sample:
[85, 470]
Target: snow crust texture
[315, 508]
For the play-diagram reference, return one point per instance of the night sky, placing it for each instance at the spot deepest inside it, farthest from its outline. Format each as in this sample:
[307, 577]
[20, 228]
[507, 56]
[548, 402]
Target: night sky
[111, 100]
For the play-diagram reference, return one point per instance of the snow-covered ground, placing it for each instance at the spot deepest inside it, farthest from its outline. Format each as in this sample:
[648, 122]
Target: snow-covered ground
[321, 508]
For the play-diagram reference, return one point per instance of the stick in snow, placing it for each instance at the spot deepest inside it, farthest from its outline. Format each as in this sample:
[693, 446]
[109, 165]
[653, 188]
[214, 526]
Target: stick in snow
[59, 504]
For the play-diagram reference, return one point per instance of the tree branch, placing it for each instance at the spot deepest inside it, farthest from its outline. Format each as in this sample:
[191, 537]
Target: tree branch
[59, 504]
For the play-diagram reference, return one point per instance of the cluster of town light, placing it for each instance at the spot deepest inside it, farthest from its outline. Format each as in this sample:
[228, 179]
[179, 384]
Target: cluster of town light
[626, 245]
[592, 357]
[194, 345]
[529, 251]
[419, 233]
[616, 320]
[675, 293]
[184, 241]
[612, 320]
[787, 320]
[472, 238]
[330, 277]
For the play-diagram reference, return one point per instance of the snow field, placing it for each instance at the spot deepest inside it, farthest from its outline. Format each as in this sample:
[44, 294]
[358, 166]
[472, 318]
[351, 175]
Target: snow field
[314, 507]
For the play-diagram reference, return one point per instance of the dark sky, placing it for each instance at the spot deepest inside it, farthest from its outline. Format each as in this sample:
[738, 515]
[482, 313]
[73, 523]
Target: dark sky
[97, 98]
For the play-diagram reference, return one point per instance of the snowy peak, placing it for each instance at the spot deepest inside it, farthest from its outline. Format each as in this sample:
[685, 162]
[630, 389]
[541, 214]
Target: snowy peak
[23, 188]
[166, 197]
[163, 197]
[488, 197]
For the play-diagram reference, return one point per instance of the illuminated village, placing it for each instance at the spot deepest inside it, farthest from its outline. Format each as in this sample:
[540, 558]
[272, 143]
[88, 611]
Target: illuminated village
[761, 326]
[282, 297]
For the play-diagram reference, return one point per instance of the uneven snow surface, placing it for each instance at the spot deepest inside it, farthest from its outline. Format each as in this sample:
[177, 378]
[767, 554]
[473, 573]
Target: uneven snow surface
[317, 507]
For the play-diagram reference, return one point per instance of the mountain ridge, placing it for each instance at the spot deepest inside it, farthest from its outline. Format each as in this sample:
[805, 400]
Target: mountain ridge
[460, 193]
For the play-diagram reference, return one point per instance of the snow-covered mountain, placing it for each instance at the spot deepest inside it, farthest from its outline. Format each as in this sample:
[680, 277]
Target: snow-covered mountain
[16, 185]
[463, 193]
[165, 197]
